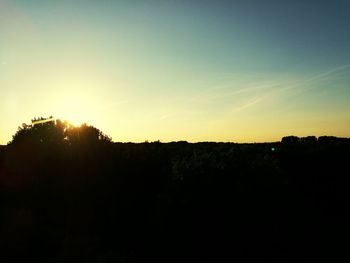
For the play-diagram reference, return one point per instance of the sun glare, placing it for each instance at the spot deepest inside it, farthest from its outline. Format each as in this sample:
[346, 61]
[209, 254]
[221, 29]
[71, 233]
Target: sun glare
[76, 112]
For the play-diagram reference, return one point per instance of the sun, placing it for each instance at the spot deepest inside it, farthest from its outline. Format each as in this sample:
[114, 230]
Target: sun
[75, 104]
[76, 112]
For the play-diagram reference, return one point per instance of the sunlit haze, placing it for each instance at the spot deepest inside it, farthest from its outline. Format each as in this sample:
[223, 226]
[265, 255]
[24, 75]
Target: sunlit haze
[241, 71]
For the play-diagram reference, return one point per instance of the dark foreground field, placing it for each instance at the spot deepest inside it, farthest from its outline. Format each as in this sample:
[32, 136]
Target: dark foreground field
[96, 201]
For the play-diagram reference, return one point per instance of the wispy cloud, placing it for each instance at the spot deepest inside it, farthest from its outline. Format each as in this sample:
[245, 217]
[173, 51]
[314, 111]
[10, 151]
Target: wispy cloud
[298, 85]
[313, 82]
[248, 104]
[244, 94]
[329, 73]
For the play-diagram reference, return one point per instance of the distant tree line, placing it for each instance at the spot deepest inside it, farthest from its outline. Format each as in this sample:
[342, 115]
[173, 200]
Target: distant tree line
[69, 194]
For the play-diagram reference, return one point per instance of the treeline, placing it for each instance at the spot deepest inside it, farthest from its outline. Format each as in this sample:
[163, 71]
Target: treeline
[72, 195]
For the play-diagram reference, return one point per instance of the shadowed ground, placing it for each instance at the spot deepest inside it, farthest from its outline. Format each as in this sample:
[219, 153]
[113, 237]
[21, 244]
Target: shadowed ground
[70, 195]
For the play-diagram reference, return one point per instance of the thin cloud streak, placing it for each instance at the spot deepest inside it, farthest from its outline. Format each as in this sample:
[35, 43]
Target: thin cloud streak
[279, 85]
[291, 86]
[248, 104]
[329, 72]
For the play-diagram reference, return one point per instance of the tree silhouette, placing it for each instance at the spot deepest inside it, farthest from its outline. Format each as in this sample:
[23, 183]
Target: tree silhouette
[42, 133]
[48, 131]
[86, 134]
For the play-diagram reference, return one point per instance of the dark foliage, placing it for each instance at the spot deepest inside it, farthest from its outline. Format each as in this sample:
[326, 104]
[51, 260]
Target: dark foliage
[71, 195]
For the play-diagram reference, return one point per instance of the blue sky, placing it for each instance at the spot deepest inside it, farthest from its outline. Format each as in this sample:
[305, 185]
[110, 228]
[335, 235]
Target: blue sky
[178, 70]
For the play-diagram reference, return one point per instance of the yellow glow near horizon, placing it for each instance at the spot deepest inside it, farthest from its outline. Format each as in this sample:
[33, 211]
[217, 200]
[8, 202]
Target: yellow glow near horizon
[74, 111]
[74, 98]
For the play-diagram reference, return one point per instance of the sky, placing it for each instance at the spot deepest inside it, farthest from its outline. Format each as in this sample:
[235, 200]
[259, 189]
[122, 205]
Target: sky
[233, 71]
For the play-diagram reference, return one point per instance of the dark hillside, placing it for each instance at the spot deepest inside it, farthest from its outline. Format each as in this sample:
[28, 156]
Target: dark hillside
[86, 199]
